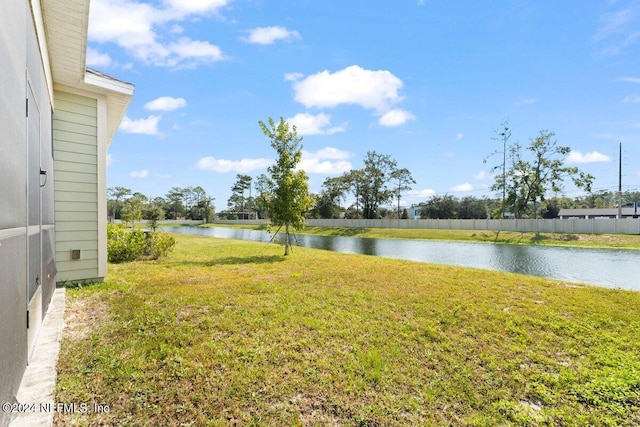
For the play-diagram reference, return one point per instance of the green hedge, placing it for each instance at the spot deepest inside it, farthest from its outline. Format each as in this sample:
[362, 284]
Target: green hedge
[125, 244]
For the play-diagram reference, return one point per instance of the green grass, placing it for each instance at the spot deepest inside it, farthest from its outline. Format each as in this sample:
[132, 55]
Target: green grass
[620, 241]
[226, 332]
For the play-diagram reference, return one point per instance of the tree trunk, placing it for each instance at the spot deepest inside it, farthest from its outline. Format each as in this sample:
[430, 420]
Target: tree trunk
[286, 239]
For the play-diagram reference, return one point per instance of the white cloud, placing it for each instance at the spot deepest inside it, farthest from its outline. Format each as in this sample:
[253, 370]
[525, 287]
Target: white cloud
[421, 194]
[632, 99]
[139, 174]
[377, 90]
[329, 161]
[618, 29]
[165, 103]
[109, 160]
[188, 53]
[395, 117]
[269, 35]
[326, 167]
[309, 124]
[97, 59]
[459, 136]
[188, 7]
[148, 126]
[462, 187]
[176, 29]
[241, 166]
[482, 175]
[117, 20]
[629, 79]
[292, 77]
[328, 153]
[373, 90]
[138, 29]
[593, 157]
[526, 101]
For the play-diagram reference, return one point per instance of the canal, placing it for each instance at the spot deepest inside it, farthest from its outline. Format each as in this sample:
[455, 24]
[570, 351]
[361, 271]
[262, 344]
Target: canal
[604, 267]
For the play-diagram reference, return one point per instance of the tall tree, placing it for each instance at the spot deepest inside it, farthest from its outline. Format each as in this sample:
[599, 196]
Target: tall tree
[188, 200]
[116, 195]
[540, 169]
[324, 206]
[373, 182]
[353, 180]
[328, 201]
[288, 186]
[503, 135]
[133, 208]
[175, 204]
[203, 208]
[401, 179]
[153, 213]
[440, 207]
[262, 196]
[237, 200]
[470, 207]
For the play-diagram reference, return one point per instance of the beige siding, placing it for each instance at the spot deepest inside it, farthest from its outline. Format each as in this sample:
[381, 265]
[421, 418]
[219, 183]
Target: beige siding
[75, 144]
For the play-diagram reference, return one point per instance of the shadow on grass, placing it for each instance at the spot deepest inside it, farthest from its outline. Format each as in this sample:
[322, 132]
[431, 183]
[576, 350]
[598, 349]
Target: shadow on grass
[346, 231]
[567, 237]
[236, 260]
[515, 239]
[538, 238]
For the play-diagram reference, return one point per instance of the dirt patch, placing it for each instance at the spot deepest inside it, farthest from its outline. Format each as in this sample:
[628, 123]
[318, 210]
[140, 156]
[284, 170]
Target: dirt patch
[83, 315]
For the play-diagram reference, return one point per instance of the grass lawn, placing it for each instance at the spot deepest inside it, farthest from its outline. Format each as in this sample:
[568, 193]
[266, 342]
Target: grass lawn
[227, 332]
[622, 241]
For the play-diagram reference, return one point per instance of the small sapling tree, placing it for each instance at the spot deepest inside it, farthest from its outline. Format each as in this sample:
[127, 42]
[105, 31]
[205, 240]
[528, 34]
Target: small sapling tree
[288, 186]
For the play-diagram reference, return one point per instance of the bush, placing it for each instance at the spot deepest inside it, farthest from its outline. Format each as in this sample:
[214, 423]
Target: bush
[126, 245]
[159, 244]
[123, 244]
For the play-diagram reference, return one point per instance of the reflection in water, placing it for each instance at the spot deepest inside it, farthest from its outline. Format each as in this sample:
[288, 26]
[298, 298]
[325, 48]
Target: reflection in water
[519, 259]
[611, 268]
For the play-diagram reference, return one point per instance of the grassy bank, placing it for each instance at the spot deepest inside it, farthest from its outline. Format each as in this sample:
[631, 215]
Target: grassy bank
[620, 241]
[231, 333]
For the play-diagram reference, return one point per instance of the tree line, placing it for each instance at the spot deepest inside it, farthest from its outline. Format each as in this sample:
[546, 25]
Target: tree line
[523, 181]
[374, 186]
[191, 203]
[123, 203]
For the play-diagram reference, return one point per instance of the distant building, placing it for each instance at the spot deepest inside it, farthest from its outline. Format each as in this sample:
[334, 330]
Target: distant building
[415, 212]
[628, 211]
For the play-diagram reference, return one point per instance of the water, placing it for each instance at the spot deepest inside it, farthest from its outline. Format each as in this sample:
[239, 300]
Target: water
[605, 267]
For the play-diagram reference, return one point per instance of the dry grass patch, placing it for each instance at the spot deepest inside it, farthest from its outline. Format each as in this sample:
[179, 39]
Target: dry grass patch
[82, 316]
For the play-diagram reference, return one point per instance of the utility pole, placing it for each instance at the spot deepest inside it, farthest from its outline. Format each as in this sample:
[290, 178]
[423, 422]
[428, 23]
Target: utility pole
[620, 182]
[250, 199]
[506, 134]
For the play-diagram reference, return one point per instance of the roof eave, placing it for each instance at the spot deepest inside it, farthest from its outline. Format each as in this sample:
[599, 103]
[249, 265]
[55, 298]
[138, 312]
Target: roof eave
[65, 27]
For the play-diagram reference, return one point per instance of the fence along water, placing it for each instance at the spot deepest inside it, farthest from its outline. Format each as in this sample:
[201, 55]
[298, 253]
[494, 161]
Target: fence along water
[573, 225]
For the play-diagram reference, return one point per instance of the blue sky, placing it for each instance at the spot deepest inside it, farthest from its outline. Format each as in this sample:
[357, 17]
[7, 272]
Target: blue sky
[427, 82]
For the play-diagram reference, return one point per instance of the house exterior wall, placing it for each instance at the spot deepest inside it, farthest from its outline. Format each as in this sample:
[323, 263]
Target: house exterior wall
[41, 241]
[77, 205]
[27, 266]
[86, 116]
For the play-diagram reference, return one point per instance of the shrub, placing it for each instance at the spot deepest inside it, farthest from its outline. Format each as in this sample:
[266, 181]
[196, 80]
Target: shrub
[159, 244]
[124, 245]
